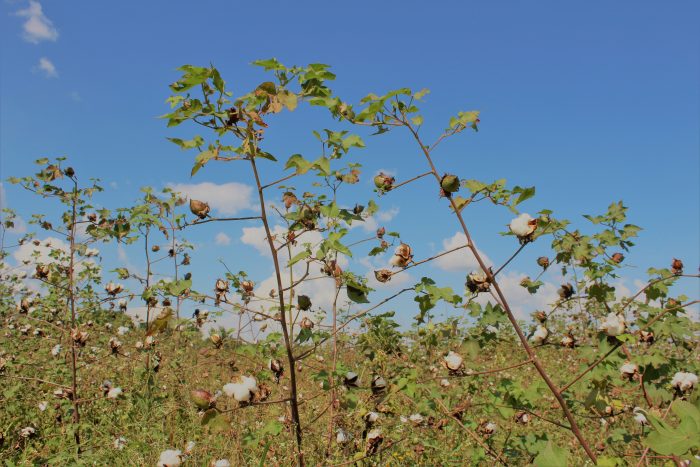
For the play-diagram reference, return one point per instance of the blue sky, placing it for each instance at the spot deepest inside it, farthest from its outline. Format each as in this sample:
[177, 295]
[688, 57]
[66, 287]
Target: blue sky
[590, 102]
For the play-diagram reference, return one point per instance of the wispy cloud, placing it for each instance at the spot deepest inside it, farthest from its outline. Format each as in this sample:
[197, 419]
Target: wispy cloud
[227, 198]
[37, 27]
[222, 239]
[47, 66]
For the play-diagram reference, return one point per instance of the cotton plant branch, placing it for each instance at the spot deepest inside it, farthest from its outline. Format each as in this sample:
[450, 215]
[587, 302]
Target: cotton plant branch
[403, 120]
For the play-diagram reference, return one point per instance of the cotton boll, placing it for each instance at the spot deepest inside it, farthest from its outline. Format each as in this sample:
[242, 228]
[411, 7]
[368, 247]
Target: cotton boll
[114, 393]
[613, 325]
[56, 350]
[540, 335]
[639, 416]
[523, 225]
[170, 458]
[119, 443]
[416, 419]
[341, 437]
[221, 463]
[684, 382]
[629, 369]
[453, 361]
[121, 330]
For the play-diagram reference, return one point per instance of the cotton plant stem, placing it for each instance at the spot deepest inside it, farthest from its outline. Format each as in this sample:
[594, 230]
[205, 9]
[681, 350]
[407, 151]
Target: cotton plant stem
[528, 349]
[293, 402]
[71, 299]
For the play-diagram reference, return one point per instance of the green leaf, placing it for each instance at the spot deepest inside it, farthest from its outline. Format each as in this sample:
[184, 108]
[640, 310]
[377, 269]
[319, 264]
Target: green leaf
[215, 422]
[298, 257]
[552, 456]
[666, 440]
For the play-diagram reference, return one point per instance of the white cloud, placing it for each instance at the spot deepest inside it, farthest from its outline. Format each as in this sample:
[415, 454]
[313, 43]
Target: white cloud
[460, 260]
[222, 239]
[227, 198]
[521, 302]
[37, 27]
[75, 96]
[371, 224]
[47, 67]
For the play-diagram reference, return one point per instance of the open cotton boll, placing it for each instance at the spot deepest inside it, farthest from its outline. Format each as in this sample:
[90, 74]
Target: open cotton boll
[540, 335]
[684, 381]
[416, 418]
[221, 463]
[170, 458]
[341, 437]
[639, 416]
[613, 325]
[628, 369]
[453, 361]
[250, 382]
[114, 393]
[238, 391]
[119, 443]
[523, 225]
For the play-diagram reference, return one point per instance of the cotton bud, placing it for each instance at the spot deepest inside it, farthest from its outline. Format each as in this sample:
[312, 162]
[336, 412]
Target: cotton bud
[306, 323]
[216, 340]
[303, 302]
[25, 304]
[478, 281]
[629, 370]
[378, 385]
[453, 362]
[449, 183]
[289, 199]
[384, 182]
[333, 269]
[677, 266]
[617, 258]
[566, 291]
[42, 271]
[350, 379]
[113, 289]
[114, 345]
[523, 227]
[275, 366]
[202, 399]
[540, 335]
[383, 275]
[543, 262]
[199, 208]
[522, 417]
[684, 382]
[613, 325]
[380, 232]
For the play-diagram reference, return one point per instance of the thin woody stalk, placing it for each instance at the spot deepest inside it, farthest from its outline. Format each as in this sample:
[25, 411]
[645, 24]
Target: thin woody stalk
[492, 280]
[71, 301]
[293, 398]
